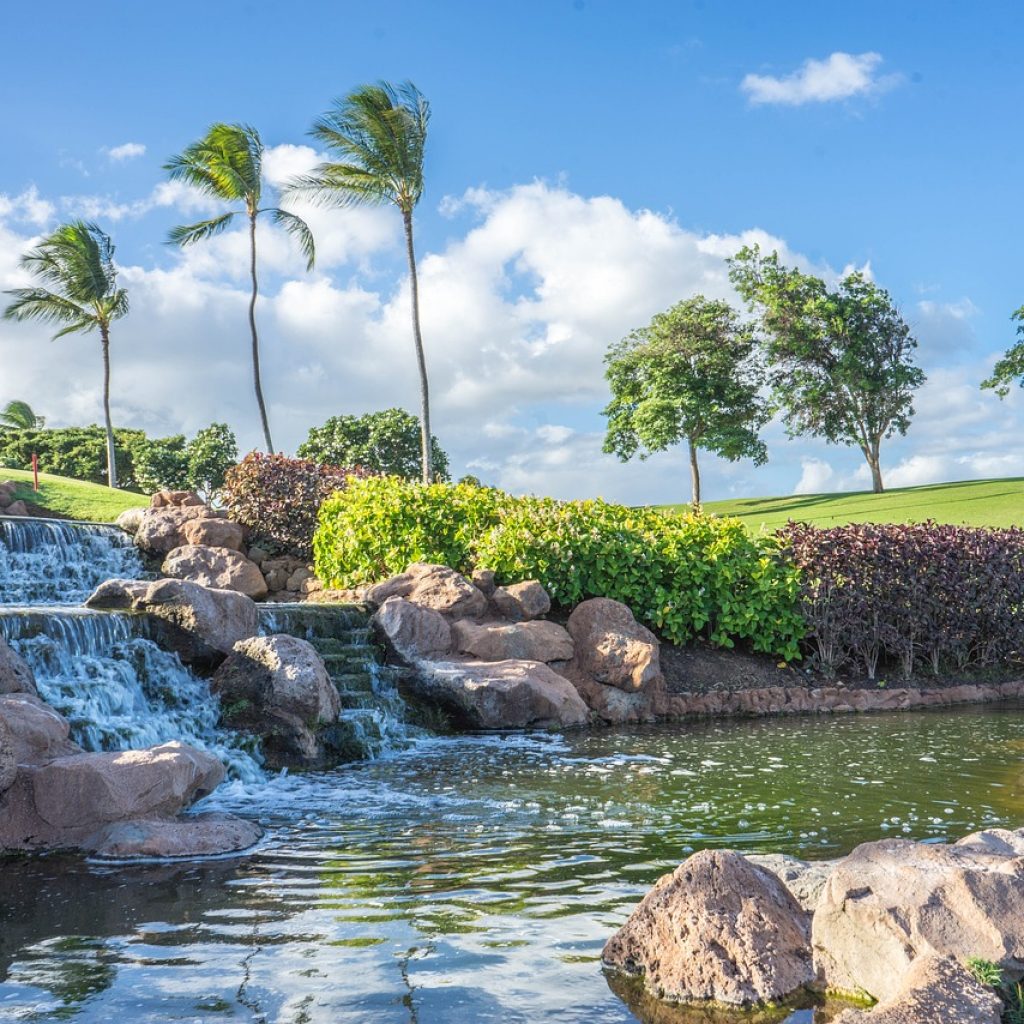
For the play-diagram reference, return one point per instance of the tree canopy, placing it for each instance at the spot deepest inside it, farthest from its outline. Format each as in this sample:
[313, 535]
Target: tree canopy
[689, 376]
[385, 442]
[840, 359]
[1010, 369]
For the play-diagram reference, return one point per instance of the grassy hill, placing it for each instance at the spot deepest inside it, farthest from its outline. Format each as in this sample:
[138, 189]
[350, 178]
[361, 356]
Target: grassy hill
[74, 499]
[969, 502]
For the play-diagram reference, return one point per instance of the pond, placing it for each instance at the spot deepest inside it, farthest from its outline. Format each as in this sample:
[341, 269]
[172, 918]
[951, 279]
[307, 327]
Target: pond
[476, 879]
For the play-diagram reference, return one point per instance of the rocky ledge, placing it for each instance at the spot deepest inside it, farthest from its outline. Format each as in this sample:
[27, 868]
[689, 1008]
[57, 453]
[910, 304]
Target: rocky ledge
[895, 922]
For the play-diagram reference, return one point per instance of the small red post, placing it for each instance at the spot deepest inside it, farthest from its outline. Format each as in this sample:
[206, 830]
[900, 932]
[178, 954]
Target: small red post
[35, 472]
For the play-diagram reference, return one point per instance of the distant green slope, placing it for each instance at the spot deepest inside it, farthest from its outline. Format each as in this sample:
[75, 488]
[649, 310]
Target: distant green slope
[969, 502]
[76, 499]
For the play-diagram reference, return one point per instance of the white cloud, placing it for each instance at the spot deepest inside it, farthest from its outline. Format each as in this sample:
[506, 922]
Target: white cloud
[27, 207]
[815, 476]
[838, 77]
[126, 151]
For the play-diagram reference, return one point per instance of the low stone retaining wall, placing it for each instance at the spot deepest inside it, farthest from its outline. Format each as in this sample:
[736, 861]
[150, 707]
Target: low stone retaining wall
[829, 700]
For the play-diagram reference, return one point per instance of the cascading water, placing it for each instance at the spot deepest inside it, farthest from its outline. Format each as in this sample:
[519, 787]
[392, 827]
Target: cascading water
[47, 561]
[371, 705]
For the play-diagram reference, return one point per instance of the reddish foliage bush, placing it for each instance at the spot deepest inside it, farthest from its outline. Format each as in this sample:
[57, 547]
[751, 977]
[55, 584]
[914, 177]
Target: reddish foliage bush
[909, 596]
[278, 498]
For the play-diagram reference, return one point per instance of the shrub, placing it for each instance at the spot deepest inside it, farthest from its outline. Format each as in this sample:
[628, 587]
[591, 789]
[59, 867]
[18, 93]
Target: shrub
[278, 498]
[922, 595]
[684, 575]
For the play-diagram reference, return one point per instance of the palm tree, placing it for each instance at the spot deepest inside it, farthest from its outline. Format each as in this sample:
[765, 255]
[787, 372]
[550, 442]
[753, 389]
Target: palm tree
[378, 134]
[226, 163]
[17, 415]
[76, 263]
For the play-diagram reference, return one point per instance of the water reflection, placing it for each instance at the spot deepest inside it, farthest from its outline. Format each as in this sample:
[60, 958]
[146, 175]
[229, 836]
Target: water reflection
[476, 880]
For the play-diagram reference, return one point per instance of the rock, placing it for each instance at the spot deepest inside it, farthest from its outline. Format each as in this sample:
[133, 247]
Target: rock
[483, 580]
[433, 586]
[199, 835]
[200, 624]
[502, 694]
[15, 675]
[16, 508]
[8, 757]
[610, 704]
[63, 802]
[219, 568]
[298, 578]
[161, 530]
[413, 631]
[804, 879]
[311, 586]
[530, 641]
[934, 990]
[37, 733]
[214, 533]
[278, 688]
[612, 647]
[520, 602]
[7, 491]
[891, 902]
[180, 499]
[717, 929]
[257, 554]
[130, 520]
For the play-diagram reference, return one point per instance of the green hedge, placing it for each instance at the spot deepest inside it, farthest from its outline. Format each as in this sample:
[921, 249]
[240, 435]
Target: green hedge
[683, 575]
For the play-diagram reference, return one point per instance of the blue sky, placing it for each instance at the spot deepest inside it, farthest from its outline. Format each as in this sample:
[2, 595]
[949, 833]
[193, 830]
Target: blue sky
[589, 163]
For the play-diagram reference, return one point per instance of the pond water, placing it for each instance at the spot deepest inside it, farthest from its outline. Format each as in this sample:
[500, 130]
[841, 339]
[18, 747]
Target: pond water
[475, 880]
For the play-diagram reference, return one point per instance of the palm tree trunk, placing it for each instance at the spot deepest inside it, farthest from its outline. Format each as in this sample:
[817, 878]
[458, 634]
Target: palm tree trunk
[694, 477]
[427, 461]
[258, 387]
[111, 454]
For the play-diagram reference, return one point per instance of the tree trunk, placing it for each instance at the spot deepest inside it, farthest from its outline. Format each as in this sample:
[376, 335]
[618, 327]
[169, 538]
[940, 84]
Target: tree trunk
[694, 477]
[427, 461]
[257, 385]
[873, 456]
[111, 453]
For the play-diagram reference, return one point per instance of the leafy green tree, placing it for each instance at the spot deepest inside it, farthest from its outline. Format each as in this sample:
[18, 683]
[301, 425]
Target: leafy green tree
[76, 452]
[689, 376]
[1009, 369]
[378, 135]
[75, 266]
[227, 164]
[210, 454]
[18, 415]
[840, 360]
[159, 463]
[385, 442]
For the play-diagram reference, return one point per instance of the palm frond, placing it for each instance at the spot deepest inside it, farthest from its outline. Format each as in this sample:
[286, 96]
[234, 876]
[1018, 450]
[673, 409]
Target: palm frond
[342, 185]
[189, 234]
[18, 415]
[299, 230]
[49, 308]
[226, 163]
[77, 259]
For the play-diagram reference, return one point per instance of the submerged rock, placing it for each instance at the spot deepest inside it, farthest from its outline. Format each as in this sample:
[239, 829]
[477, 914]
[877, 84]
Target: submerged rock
[509, 694]
[200, 835]
[219, 568]
[891, 902]
[717, 929]
[432, 586]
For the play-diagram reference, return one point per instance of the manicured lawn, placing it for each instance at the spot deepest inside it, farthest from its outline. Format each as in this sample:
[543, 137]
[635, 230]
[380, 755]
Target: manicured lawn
[968, 502]
[74, 498]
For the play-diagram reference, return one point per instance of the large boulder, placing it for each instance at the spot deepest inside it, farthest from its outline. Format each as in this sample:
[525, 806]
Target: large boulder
[890, 902]
[610, 704]
[412, 631]
[432, 586]
[61, 803]
[277, 687]
[161, 530]
[934, 990]
[131, 519]
[200, 624]
[501, 694]
[532, 641]
[214, 533]
[717, 929]
[520, 602]
[612, 647]
[804, 879]
[36, 732]
[15, 675]
[8, 757]
[199, 835]
[219, 568]
[182, 499]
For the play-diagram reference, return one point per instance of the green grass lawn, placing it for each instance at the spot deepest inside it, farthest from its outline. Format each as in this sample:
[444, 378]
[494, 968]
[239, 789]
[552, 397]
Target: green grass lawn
[74, 498]
[969, 502]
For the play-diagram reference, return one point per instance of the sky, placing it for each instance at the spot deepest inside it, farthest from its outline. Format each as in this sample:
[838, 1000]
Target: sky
[590, 163]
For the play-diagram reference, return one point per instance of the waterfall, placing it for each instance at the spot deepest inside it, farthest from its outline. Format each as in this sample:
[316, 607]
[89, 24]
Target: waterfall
[48, 561]
[372, 707]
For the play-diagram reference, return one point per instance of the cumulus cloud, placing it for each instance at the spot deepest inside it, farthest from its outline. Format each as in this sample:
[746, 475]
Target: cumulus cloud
[126, 151]
[839, 76]
[815, 476]
[28, 207]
